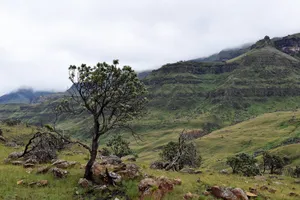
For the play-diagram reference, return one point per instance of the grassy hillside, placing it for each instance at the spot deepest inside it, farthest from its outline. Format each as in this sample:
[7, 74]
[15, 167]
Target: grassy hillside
[266, 132]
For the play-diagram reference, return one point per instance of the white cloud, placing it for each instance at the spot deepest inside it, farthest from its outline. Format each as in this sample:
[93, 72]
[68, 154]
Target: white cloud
[40, 39]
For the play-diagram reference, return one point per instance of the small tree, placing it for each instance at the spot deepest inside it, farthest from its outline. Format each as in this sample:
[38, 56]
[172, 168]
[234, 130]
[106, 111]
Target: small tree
[119, 146]
[244, 164]
[297, 172]
[273, 162]
[111, 95]
[181, 154]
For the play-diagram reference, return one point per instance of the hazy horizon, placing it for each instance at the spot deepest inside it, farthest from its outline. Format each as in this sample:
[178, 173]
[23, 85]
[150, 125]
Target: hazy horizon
[41, 39]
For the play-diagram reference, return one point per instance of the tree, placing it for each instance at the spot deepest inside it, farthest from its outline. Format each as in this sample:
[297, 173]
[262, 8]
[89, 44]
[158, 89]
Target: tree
[244, 164]
[273, 162]
[119, 146]
[180, 154]
[111, 95]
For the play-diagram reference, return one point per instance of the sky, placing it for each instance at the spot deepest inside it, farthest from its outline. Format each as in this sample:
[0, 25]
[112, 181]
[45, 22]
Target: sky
[39, 39]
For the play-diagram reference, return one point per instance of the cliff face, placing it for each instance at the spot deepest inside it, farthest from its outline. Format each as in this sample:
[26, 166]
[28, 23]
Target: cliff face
[289, 45]
[269, 69]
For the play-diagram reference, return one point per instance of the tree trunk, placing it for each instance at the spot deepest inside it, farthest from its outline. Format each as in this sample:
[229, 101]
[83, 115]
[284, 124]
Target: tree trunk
[88, 169]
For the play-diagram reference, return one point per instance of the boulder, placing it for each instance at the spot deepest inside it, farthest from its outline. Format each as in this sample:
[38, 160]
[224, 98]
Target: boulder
[63, 164]
[112, 160]
[31, 161]
[223, 193]
[59, 173]
[293, 194]
[84, 183]
[157, 165]
[251, 195]
[177, 181]
[224, 171]
[239, 193]
[189, 195]
[17, 162]
[190, 171]
[131, 172]
[297, 181]
[15, 155]
[43, 170]
[151, 188]
[11, 144]
[28, 165]
[2, 139]
[42, 183]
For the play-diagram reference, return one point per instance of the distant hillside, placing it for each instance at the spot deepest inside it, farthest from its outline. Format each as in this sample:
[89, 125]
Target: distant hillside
[23, 96]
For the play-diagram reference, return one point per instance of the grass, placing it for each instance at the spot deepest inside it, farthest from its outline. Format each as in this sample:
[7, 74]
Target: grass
[263, 132]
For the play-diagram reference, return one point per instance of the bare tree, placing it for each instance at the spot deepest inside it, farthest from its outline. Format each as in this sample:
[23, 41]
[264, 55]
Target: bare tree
[111, 95]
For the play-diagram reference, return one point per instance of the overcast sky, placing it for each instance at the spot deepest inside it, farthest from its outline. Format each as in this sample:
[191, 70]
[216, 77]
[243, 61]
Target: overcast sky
[40, 39]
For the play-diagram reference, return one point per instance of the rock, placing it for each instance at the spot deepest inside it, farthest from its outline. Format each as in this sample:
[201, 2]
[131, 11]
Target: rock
[20, 182]
[224, 171]
[84, 183]
[31, 161]
[157, 165]
[293, 194]
[2, 139]
[264, 187]
[155, 188]
[132, 159]
[28, 165]
[206, 193]
[59, 173]
[223, 193]
[17, 162]
[190, 171]
[260, 178]
[63, 164]
[190, 196]
[297, 181]
[131, 172]
[253, 190]
[11, 144]
[43, 170]
[239, 193]
[42, 183]
[272, 190]
[273, 177]
[112, 160]
[177, 181]
[277, 183]
[116, 177]
[15, 155]
[250, 194]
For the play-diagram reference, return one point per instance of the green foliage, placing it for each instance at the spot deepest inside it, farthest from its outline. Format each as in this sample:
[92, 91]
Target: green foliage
[119, 146]
[182, 153]
[244, 164]
[297, 172]
[273, 162]
[169, 151]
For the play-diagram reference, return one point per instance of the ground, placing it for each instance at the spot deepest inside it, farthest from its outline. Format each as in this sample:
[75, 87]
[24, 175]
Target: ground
[265, 132]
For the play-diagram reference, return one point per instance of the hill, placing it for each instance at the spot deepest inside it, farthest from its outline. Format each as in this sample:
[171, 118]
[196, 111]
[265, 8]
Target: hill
[23, 96]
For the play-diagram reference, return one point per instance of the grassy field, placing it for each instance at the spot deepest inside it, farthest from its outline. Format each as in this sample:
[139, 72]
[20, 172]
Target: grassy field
[265, 132]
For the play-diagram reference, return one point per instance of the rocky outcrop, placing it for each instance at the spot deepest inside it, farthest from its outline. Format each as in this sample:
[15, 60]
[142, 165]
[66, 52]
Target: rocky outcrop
[228, 193]
[155, 188]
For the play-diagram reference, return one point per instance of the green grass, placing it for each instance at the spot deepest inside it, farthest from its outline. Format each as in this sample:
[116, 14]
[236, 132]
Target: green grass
[263, 132]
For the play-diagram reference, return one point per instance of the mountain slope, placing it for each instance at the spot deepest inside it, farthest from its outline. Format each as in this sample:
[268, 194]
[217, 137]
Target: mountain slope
[26, 96]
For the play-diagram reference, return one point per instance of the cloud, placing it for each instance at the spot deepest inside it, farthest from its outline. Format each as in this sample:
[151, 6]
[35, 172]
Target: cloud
[40, 39]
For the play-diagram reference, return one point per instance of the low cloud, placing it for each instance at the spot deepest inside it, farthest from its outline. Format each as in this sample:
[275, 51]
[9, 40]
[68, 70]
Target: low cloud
[40, 39]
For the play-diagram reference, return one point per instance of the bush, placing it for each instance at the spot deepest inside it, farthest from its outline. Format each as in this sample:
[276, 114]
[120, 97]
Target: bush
[297, 172]
[274, 163]
[244, 164]
[180, 154]
[119, 146]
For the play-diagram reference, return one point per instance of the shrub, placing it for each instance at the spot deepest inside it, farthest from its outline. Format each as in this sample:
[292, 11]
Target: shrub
[297, 172]
[119, 146]
[244, 164]
[180, 154]
[274, 163]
